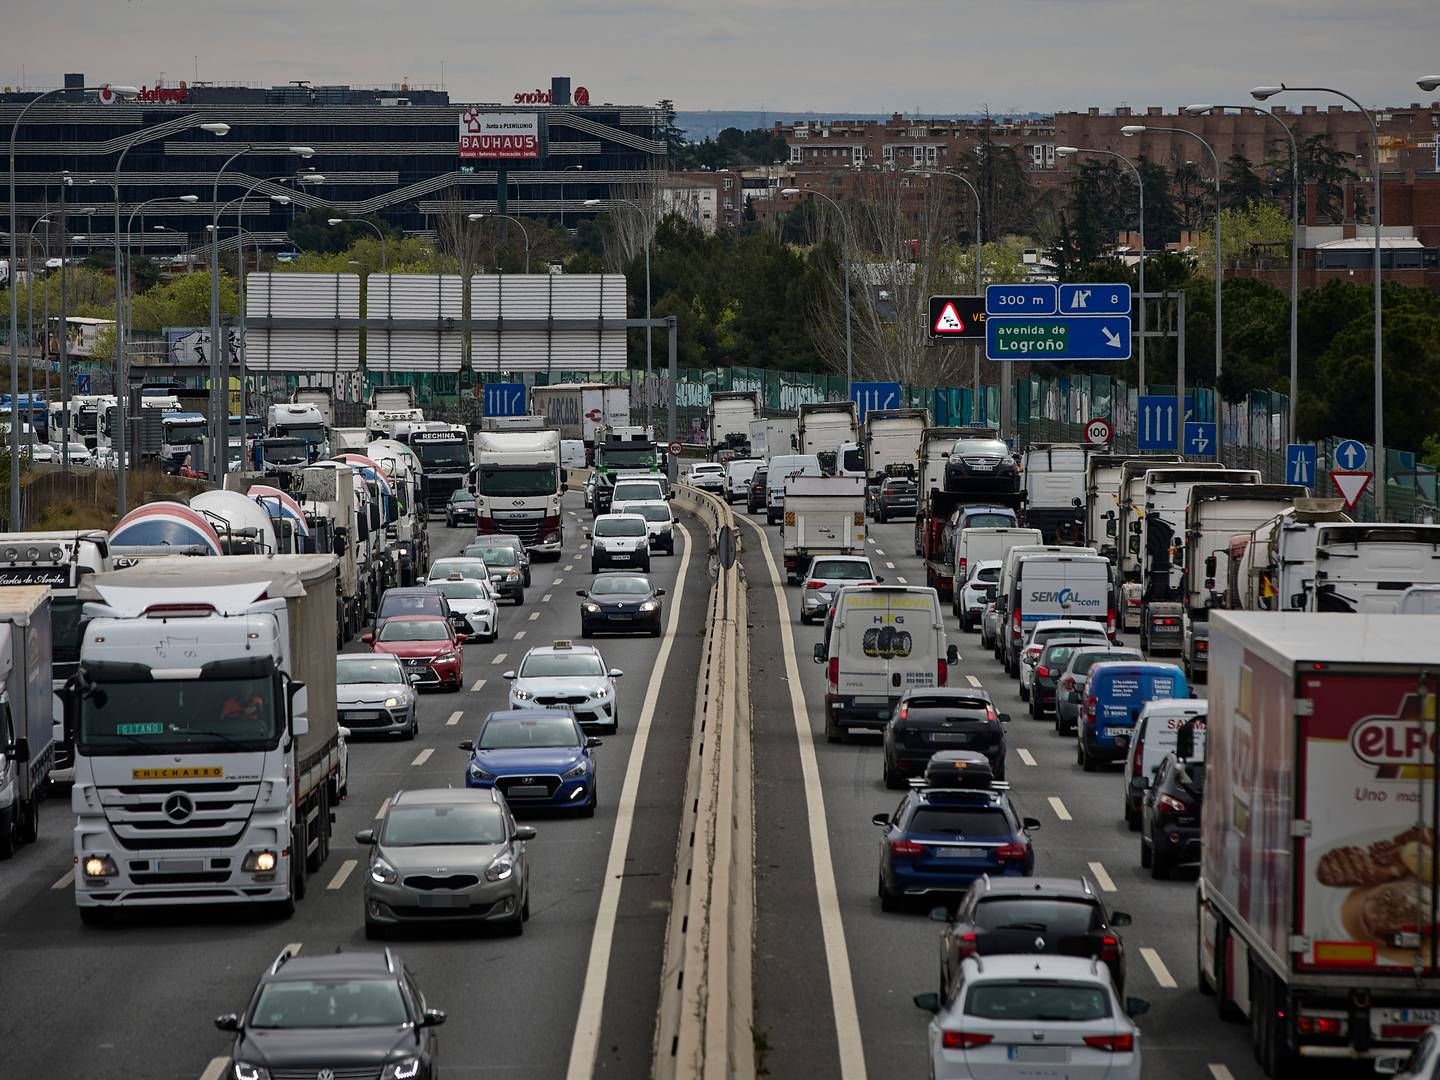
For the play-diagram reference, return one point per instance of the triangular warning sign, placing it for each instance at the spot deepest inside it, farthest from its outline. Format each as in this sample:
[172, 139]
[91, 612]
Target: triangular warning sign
[949, 321]
[1351, 485]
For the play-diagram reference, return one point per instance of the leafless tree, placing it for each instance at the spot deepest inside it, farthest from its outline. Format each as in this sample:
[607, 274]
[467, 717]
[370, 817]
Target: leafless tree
[635, 211]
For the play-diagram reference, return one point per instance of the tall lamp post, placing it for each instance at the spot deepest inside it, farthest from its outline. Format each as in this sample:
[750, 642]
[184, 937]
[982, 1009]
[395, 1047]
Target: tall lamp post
[786, 193]
[384, 262]
[649, 370]
[1264, 93]
[30, 308]
[127, 92]
[507, 217]
[1071, 151]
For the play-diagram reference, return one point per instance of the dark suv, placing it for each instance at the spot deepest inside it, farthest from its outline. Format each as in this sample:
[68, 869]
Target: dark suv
[1170, 815]
[755, 496]
[981, 465]
[1056, 916]
[925, 721]
[334, 1014]
[898, 497]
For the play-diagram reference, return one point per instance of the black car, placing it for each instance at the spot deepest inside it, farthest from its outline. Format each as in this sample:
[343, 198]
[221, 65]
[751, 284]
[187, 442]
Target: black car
[621, 603]
[755, 495]
[461, 507]
[603, 494]
[926, 721]
[1170, 816]
[1053, 916]
[335, 1014]
[898, 497]
[1048, 669]
[981, 465]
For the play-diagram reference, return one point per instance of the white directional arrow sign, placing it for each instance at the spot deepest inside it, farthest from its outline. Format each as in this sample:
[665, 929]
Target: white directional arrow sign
[1112, 339]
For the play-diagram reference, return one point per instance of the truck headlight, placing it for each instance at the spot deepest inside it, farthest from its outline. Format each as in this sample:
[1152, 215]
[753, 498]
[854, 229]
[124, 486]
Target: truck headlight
[259, 862]
[99, 866]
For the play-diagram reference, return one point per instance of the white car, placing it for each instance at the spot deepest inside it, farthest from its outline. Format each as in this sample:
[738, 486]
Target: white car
[707, 476]
[43, 452]
[569, 676]
[621, 540]
[1032, 1015]
[1422, 1063]
[590, 482]
[1046, 630]
[473, 607]
[659, 522]
[970, 597]
[80, 455]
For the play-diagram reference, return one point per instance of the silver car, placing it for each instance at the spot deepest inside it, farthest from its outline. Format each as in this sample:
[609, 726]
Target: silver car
[475, 550]
[447, 855]
[373, 696]
[827, 574]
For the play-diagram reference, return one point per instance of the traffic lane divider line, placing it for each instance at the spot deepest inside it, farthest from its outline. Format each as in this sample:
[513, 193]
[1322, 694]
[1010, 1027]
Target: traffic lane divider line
[535, 614]
[902, 581]
[544, 600]
[889, 566]
[1025, 756]
[498, 658]
[519, 635]
[1220, 1072]
[558, 581]
[216, 1069]
[423, 756]
[341, 875]
[383, 807]
[454, 718]
[1102, 877]
[1058, 806]
[1158, 969]
[66, 879]
[973, 681]
[569, 568]
[585, 1043]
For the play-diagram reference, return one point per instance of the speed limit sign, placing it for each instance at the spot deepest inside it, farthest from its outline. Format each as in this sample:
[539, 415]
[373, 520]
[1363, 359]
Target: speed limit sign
[675, 447]
[1098, 431]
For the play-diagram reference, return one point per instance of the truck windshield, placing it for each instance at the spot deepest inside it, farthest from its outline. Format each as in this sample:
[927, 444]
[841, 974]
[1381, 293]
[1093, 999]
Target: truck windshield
[443, 455]
[179, 716]
[185, 433]
[286, 451]
[615, 457]
[65, 629]
[311, 433]
[85, 421]
[516, 480]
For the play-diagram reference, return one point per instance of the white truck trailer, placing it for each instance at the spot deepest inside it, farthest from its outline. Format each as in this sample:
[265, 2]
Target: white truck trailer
[824, 425]
[730, 415]
[27, 724]
[824, 515]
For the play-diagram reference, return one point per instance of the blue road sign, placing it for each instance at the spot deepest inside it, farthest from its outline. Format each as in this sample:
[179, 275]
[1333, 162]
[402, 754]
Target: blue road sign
[1155, 426]
[1062, 337]
[504, 399]
[1100, 299]
[1200, 439]
[1350, 455]
[875, 395]
[1300, 464]
[1021, 300]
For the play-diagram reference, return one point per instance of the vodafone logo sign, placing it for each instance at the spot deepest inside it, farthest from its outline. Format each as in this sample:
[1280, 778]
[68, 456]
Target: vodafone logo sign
[148, 95]
[106, 96]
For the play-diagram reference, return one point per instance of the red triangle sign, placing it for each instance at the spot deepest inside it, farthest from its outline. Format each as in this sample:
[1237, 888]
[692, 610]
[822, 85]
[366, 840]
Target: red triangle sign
[949, 321]
[1351, 485]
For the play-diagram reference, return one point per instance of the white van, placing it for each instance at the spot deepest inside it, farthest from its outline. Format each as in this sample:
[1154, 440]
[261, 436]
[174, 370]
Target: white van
[880, 640]
[629, 491]
[783, 466]
[1058, 586]
[738, 474]
[572, 454]
[979, 544]
[1154, 737]
[1007, 643]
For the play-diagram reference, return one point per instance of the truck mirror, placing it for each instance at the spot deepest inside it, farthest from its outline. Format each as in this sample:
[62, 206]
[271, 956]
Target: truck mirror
[1134, 545]
[1185, 741]
[1135, 527]
[1075, 503]
[1110, 526]
[299, 698]
[1210, 566]
[300, 727]
[20, 751]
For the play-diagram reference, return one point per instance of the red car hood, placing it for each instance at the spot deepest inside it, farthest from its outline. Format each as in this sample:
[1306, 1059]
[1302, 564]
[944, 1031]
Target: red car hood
[412, 648]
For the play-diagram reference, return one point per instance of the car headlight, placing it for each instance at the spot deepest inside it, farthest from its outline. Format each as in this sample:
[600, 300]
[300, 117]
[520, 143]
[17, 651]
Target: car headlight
[649, 605]
[500, 868]
[512, 574]
[477, 773]
[382, 873]
[245, 1071]
[392, 702]
[591, 609]
[580, 769]
[521, 694]
[601, 692]
[407, 1069]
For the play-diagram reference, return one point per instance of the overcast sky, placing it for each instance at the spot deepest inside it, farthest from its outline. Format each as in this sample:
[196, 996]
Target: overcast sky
[825, 55]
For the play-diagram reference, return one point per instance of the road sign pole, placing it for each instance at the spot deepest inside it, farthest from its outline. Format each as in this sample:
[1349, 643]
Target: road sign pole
[975, 401]
[1179, 368]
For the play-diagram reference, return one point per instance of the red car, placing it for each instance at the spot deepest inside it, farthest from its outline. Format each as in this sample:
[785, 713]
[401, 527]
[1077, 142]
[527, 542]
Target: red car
[426, 646]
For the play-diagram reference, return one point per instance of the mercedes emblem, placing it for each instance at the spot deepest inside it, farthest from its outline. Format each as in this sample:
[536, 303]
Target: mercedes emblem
[1039, 944]
[178, 807]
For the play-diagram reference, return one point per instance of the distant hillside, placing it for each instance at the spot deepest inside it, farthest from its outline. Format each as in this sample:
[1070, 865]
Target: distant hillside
[709, 123]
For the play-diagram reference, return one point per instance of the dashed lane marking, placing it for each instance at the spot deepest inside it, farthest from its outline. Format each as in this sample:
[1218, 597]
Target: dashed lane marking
[383, 807]
[346, 869]
[558, 581]
[1220, 1072]
[479, 685]
[454, 718]
[535, 614]
[544, 600]
[569, 568]
[1102, 878]
[902, 581]
[498, 658]
[1059, 808]
[423, 756]
[889, 566]
[973, 681]
[1025, 756]
[66, 880]
[1158, 969]
[879, 551]
[519, 635]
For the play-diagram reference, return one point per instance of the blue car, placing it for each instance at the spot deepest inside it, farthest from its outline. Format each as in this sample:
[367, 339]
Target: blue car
[535, 757]
[940, 839]
[1114, 695]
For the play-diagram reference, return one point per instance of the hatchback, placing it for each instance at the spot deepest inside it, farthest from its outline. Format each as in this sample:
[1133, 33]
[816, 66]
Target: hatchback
[1170, 815]
[755, 495]
[1046, 677]
[926, 721]
[826, 576]
[534, 757]
[1042, 632]
[460, 507]
[898, 497]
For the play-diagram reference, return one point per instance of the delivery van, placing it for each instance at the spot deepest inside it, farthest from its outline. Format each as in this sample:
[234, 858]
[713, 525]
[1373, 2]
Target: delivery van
[1114, 697]
[1155, 735]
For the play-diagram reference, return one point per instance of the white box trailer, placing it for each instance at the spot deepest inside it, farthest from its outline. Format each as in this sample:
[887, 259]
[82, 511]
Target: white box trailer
[27, 728]
[1054, 478]
[824, 515]
[824, 425]
[731, 413]
[891, 442]
[580, 410]
[1317, 891]
[774, 435]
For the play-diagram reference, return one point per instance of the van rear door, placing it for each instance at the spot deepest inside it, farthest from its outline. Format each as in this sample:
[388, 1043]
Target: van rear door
[889, 641]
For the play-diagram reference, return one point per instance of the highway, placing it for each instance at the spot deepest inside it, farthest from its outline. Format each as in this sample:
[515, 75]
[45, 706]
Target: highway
[136, 1000]
[835, 976]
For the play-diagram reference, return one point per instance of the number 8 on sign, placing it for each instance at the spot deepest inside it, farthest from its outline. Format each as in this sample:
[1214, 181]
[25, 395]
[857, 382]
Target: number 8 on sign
[1098, 431]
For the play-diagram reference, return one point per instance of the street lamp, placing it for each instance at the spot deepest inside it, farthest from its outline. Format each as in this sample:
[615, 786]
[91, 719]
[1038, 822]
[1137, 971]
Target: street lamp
[1071, 151]
[786, 193]
[1264, 93]
[648, 232]
[508, 217]
[384, 264]
[30, 306]
[1200, 110]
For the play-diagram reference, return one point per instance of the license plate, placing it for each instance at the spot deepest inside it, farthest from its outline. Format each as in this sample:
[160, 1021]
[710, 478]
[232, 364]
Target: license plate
[181, 866]
[620, 558]
[1415, 1016]
[621, 618]
[442, 900]
[958, 852]
[527, 791]
[949, 738]
[1042, 1055]
[1117, 732]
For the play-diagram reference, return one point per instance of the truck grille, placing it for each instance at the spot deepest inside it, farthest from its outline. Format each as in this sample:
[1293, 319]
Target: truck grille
[526, 528]
[182, 815]
[339, 1072]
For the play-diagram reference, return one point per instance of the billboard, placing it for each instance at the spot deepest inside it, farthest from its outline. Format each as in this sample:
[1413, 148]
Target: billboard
[499, 136]
[190, 345]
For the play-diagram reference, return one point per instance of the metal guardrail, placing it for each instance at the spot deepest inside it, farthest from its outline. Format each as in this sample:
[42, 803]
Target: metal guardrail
[703, 1031]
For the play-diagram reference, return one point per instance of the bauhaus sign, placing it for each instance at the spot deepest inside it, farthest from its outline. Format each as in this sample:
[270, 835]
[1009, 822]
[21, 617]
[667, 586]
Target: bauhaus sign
[505, 136]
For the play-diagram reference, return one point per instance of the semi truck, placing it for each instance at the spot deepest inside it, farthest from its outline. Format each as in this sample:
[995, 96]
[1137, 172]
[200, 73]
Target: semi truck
[517, 485]
[824, 515]
[1317, 890]
[772, 435]
[27, 722]
[891, 442]
[207, 748]
[824, 425]
[1276, 559]
[321, 397]
[407, 534]
[730, 414]
[1054, 479]
[1103, 475]
[327, 492]
[936, 523]
[579, 410]
[444, 453]
[298, 421]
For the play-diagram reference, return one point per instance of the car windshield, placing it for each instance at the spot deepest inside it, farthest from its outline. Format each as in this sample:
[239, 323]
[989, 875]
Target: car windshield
[539, 732]
[637, 491]
[1037, 999]
[620, 527]
[368, 669]
[987, 574]
[560, 665]
[1083, 662]
[409, 604]
[468, 589]
[415, 630]
[604, 585]
[1044, 915]
[329, 1003]
[967, 821]
[652, 511]
[499, 556]
[980, 447]
[441, 569]
[429, 825]
[460, 495]
[841, 570]
[758, 480]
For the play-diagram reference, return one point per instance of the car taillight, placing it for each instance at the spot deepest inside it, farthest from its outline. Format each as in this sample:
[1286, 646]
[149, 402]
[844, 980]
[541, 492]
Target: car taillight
[991, 714]
[942, 673]
[906, 847]
[964, 1040]
[1016, 615]
[1166, 802]
[1164, 621]
[1135, 758]
[1032, 650]
[1042, 672]
[1007, 852]
[1112, 618]
[1116, 1044]
[967, 944]
[1201, 645]
[904, 713]
[814, 584]
[960, 567]
[1109, 948]
[1090, 703]
[832, 672]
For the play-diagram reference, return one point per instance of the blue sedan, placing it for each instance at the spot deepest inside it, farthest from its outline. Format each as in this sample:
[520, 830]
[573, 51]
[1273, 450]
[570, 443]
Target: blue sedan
[535, 757]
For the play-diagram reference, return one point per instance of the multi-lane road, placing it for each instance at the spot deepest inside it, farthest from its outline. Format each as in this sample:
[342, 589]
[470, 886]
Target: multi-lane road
[136, 1000]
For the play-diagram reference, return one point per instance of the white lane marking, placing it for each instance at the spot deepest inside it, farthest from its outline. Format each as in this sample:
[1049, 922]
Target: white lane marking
[569, 568]
[346, 869]
[454, 718]
[1220, 1072]
[479, 685]
[889, 566]
[1025, 756]
[585, 1044]
[216, 1069]
[1059, 808]
[1158, 969]
[558, 581]
[973, 681]
[535, 614]
[423, 756]
[544, 600]
[902, 581]
[1102, 878]
[837, 955]
[519, 635]
[66, 880]
[879, 551]
[498, 658]
[383, 807]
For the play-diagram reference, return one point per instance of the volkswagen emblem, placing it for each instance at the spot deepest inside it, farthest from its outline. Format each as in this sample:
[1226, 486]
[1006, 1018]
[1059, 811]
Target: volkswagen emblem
[178, 807]
[325, 1074]
[1039, 944]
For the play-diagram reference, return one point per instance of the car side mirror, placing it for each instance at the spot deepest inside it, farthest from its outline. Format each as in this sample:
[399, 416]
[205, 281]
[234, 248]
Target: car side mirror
[580, 593]
[586, 532]
[524, 832]
[591, 742]
[509, 676]
[365, 836]
[879, 580]
[952, 654]
[615, 673]
[1384, 1066]
[1004, 718]
[819, 652]
[1120, 918]
[432, 1018]
[939, 914]
[1030, 824]
[880, 819]
[367, 638]
[1135, 1006]
[467, 745]
[659, 592]
[929, 1002]
[231, 1022]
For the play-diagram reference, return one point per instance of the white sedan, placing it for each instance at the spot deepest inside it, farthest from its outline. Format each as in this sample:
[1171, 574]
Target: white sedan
[707, 476]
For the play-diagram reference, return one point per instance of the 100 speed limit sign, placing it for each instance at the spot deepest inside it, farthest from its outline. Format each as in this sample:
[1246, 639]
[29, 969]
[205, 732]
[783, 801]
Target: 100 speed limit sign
[1098, 431]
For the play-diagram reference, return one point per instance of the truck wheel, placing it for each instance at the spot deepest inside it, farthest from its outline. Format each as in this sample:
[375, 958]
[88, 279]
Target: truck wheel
[27, 822]
[1224, 1002]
